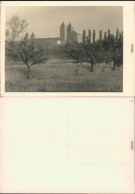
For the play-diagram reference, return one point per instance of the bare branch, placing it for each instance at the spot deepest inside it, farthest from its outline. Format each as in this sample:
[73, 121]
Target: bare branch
[15, 27]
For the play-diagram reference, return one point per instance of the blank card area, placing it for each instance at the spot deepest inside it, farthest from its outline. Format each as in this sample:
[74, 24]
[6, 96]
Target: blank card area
[67, 145]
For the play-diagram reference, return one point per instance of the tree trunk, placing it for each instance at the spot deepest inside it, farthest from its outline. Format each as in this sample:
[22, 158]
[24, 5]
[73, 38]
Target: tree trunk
[77, 68]
[91, 68]
[28, 72]
[114, 65]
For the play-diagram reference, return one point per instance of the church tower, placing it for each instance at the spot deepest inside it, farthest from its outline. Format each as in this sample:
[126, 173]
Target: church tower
[70, 29]
[63, 33]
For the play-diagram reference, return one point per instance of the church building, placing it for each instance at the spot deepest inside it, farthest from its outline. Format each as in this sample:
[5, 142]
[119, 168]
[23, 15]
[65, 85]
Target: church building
[69, 34]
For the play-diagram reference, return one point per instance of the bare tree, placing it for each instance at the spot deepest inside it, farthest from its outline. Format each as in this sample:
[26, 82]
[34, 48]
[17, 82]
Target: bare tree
[15, 27]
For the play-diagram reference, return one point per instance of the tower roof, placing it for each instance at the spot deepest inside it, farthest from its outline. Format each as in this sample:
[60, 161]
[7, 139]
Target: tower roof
[70, 27]
[63, 24]
[76, 33]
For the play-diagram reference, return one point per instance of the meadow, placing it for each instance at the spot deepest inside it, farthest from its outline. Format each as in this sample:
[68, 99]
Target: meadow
[61, 76]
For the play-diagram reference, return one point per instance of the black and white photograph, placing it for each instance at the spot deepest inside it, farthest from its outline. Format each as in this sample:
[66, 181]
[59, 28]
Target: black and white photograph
[64, 49]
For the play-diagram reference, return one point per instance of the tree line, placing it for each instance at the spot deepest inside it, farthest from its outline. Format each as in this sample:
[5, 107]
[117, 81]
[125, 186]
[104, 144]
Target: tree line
[107, 49]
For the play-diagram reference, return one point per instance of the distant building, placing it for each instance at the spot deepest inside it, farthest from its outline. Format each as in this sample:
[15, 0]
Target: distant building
[63, 32]
[58, 42]
[49, 43]
[53, 45]
[69, 34]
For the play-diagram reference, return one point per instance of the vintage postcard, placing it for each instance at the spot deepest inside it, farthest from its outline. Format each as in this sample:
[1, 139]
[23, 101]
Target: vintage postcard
[67, 49]
[62, 144]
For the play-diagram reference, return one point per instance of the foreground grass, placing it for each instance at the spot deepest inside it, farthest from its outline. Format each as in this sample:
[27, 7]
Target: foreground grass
[60, 76]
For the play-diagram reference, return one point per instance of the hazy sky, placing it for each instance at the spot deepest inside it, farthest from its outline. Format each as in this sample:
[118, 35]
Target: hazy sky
[44, 21]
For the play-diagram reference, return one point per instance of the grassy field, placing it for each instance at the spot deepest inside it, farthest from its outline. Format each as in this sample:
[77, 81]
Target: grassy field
[61, 76]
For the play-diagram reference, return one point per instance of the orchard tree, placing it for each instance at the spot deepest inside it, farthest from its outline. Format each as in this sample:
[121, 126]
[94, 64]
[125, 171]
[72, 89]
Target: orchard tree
[113, 49]
[29, 52]
[90, 50]
[93, 54]
[75, 51]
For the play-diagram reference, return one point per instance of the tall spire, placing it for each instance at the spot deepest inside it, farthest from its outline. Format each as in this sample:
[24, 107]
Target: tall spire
[63, 24]
[63, 32]
[70, 27]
